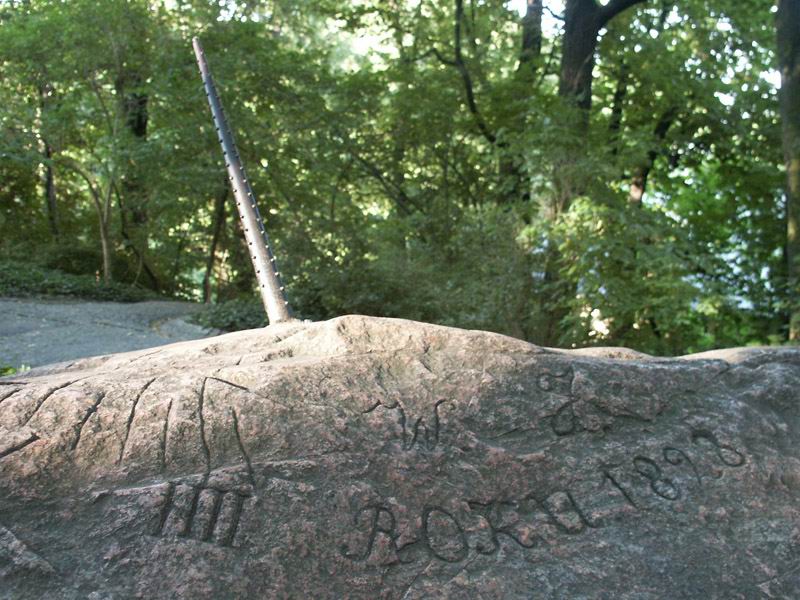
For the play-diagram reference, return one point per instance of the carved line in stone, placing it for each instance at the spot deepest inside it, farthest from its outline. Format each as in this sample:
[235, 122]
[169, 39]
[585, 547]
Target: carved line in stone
[131, 416]
[17, 447]
[208, 530]
[549, 506]
[245, 455]
[163, 444]
[44, 398]
[165, 508]
[564, 421]
[489, 511]
[676, 457]
[607, 475]
[9, 394]
[728, 455]
[375, 528]
[237, 386]
[662, 486]
[389, 529]
[463, 546]
[79, 428]
[202, 424]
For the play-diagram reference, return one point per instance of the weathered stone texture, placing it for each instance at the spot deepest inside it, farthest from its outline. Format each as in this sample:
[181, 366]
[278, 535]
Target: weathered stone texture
[378, 458]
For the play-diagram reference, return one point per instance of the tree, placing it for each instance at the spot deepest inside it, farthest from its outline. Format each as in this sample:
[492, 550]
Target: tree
[788, 43]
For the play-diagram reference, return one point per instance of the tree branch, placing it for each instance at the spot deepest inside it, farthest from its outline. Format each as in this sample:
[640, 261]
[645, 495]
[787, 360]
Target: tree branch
[73, 166]
[642, 172]
[555, 15]
[465, 76]
[394, 191]
[440, 57]
[613, 8]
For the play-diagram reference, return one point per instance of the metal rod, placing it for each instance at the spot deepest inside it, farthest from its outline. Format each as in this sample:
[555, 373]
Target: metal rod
[272, 290]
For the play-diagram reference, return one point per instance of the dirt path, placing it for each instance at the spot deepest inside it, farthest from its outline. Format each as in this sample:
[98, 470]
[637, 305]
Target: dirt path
[40, 332]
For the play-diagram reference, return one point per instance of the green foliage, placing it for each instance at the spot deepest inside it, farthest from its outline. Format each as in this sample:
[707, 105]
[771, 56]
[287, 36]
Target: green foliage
[21, 279]
[233, 315]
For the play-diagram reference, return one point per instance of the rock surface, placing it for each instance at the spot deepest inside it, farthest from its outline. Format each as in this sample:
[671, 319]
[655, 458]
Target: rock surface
[379, 458]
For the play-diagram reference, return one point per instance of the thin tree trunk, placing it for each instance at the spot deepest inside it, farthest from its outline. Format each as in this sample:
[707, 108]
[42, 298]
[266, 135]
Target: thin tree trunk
[788, 41]
[50, 192]
[103, 208]
[49, 176]
[105, 245]
[219, 222]
[641, 172]
[123, 229]
[133, 108]
[620, 93]
[531, 37]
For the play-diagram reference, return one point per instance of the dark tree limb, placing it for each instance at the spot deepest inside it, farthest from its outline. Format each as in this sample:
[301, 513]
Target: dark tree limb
[642, 172]
[219, 222]
[620, 92]
[395, 192]
[466, 78]
[613, 8]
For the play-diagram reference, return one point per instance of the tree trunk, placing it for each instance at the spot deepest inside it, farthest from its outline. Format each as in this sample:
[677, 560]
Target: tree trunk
[788, 41]
[641, 172]
[49, 176]
[133, 107]
[123, 230]
[105, 245]
[219, 222]
[583, 21]
[50, 192]
[531, 37]
[620, 93]
[103, 208]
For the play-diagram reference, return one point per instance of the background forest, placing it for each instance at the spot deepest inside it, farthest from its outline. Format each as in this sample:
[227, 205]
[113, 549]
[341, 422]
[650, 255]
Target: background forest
[575, 173]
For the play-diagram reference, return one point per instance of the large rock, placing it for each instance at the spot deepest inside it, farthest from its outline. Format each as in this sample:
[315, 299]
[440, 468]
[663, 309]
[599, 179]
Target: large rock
[377, 458]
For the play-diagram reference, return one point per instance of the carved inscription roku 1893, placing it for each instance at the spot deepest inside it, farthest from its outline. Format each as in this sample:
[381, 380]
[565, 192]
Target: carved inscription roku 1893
[443, 537]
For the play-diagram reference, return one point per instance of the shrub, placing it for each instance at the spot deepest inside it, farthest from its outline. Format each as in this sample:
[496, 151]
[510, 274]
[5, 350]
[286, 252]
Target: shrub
[18, 279]
[233, 315]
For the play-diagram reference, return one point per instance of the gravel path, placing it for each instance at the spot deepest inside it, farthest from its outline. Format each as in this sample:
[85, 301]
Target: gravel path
[40, 332]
